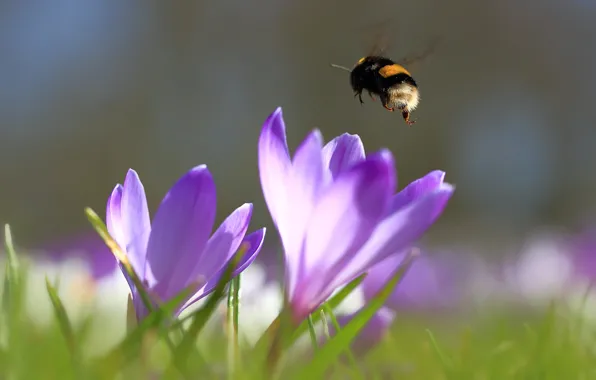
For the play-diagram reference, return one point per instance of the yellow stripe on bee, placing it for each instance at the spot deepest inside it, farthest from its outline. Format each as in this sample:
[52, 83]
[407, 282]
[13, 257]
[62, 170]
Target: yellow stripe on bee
[390, 70]
[361, 60]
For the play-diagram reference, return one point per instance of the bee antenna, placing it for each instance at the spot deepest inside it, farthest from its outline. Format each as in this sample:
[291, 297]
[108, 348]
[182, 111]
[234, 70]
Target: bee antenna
[340, 67]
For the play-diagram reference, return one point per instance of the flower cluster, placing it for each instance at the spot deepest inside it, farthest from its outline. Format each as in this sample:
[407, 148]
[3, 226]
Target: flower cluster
[336, 209]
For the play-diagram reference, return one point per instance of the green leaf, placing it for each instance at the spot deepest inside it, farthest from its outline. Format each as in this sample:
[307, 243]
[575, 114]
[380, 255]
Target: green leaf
[63, 320]
[328, 354]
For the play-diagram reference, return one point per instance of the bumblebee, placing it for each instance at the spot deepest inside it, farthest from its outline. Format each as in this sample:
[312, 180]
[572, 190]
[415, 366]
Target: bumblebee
[391, 82]
[388, 80]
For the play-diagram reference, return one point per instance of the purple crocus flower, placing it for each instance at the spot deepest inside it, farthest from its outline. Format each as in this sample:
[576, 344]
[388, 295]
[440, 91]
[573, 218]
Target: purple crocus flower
[175, 250]
[336, 210]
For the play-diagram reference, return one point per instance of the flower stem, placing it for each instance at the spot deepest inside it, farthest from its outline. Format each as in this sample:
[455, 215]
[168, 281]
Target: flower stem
[312, 332]
[232, 317]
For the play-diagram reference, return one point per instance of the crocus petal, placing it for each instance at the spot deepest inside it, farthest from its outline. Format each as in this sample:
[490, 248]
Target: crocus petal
[417, 189]
[115, 227]
[274, 165]
[114, 215]
[254, 242]
[136, 224]
[222, 245]
[344, 218]
[306, 183]
[180, 231]
[343, 152]
[399, 230]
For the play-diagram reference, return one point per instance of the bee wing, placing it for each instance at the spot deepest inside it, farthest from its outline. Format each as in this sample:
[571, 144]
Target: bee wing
[414, 60]
[380, 42]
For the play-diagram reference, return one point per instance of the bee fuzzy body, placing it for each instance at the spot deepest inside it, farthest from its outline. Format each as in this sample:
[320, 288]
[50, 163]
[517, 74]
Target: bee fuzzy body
[391, 82]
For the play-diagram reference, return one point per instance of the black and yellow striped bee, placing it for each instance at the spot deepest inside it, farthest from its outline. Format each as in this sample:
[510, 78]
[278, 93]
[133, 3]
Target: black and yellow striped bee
[390, 81]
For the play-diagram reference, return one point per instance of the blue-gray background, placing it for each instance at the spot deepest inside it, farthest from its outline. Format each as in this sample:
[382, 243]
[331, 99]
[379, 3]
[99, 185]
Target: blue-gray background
[91, 88]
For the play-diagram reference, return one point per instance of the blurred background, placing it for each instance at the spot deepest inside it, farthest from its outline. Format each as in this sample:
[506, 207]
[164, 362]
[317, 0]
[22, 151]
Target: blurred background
[92, 88]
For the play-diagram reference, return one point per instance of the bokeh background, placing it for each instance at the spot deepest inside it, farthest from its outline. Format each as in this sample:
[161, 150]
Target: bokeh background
[92, 88]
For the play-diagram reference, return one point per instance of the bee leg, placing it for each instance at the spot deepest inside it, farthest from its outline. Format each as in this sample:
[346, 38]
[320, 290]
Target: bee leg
[385, 101]
[406, 116]
[359, 94]
[371, 96]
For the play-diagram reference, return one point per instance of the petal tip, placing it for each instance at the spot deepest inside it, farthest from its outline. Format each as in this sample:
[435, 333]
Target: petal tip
[317, 135]
[118, 188]
[248, 208]
[199, 168]
[350, 135]
[384, 155]
[439, 174]
[275, 116]
[199, 172]
[132, 172]
[116, 196]
[274, 129]
[132, 180]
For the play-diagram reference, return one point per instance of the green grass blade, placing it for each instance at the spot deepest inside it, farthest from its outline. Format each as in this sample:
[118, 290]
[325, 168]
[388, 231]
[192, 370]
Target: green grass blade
[329, 353]
[63, 320]
[443, 359]
[312, 332]
[337, 328]
[11, 253]
[12, 274]
[232, 327]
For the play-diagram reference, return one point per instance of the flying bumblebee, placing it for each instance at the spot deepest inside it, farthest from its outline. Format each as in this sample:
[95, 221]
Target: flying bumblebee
[391, 82]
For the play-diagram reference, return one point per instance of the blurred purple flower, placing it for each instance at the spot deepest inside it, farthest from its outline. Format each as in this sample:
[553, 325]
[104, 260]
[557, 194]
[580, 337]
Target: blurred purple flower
[175, 250]
[372, 333]
[583, 253]
[88, 247]
[336, 211]
[431, 282]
